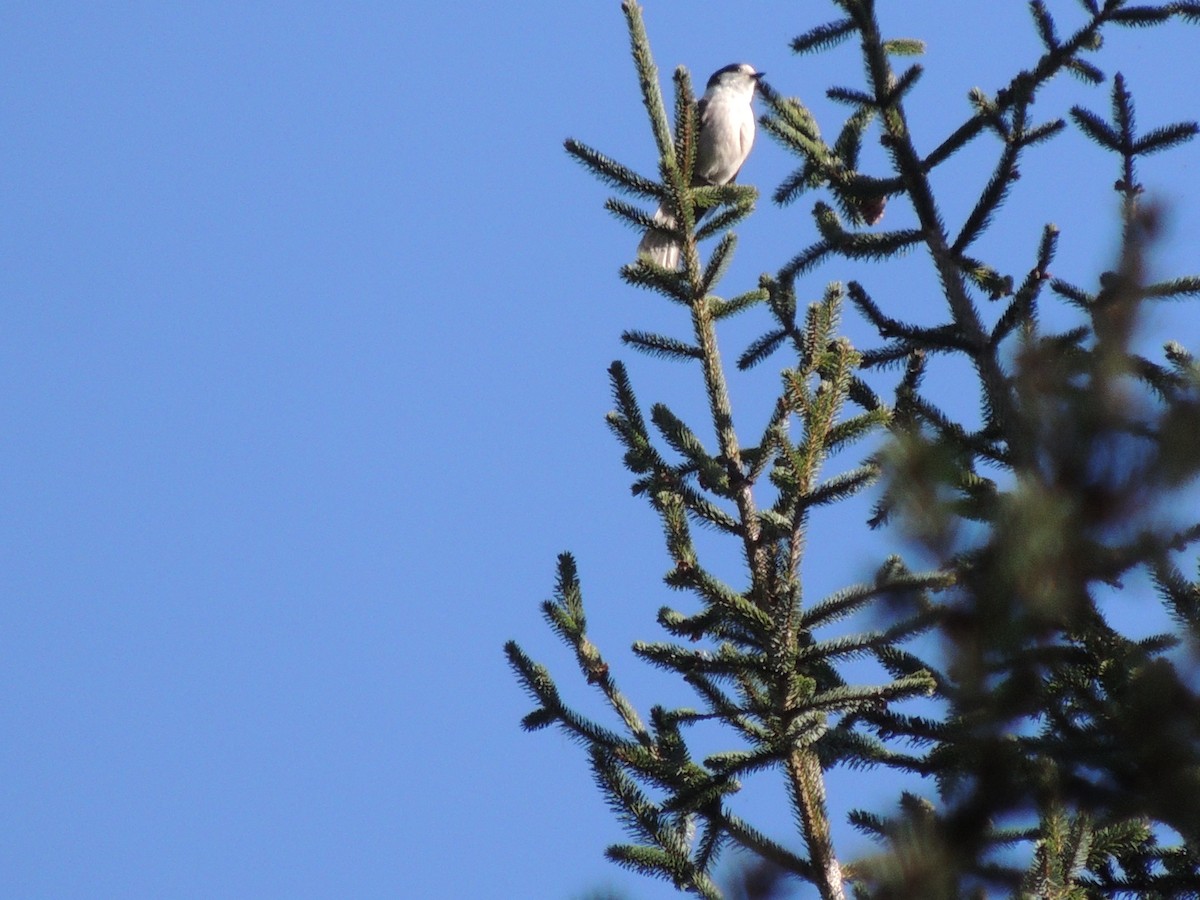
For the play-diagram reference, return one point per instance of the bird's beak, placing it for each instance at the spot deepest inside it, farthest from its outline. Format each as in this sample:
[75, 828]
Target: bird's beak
[759, 76]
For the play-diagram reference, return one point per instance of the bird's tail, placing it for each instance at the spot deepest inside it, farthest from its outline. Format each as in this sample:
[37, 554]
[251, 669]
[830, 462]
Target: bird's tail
[659, 247]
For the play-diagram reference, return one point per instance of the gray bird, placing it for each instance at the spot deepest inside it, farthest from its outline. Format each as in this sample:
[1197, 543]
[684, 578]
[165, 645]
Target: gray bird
[726, 134]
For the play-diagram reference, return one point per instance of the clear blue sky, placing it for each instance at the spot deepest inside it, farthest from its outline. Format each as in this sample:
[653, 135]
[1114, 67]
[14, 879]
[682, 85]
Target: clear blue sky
[304, 321]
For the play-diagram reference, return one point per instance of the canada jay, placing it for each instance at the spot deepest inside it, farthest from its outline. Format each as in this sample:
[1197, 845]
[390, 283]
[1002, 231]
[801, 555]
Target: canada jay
[725, 135]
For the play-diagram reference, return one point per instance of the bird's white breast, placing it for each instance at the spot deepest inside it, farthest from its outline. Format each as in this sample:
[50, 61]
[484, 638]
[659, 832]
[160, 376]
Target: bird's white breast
[725, 138]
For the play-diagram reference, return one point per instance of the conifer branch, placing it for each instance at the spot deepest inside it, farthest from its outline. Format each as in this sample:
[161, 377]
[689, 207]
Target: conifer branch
[752, 839]
[648, 81]
[808, 797]
[660, 346]
[646, 274]
[612, 172]
[633, 215]
[1019, 555]
[722, 309]
[823, 37]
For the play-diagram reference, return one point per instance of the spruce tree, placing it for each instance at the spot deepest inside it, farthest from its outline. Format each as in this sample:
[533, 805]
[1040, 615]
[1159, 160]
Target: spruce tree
[1057, 756]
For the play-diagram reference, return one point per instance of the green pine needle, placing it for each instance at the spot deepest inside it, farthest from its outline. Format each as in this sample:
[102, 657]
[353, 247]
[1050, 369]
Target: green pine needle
[633, 215]
[1084, 71]
[661, 346]
[1165, 138]
[1045, 24]
[624, 398]
[823, 37]
[612, 172]
[679, 436]
[724, 219]
[648, 81]
[851, 97]
[1142, 16]
[761, 348]
[1096, 128]
[904, 47]
[669, 283]
[1175, 289]
[723, 309]
[714, 271]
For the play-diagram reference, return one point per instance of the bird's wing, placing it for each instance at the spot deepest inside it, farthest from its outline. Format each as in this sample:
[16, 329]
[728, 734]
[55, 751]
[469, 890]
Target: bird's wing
[745, 156]
[747, 141]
